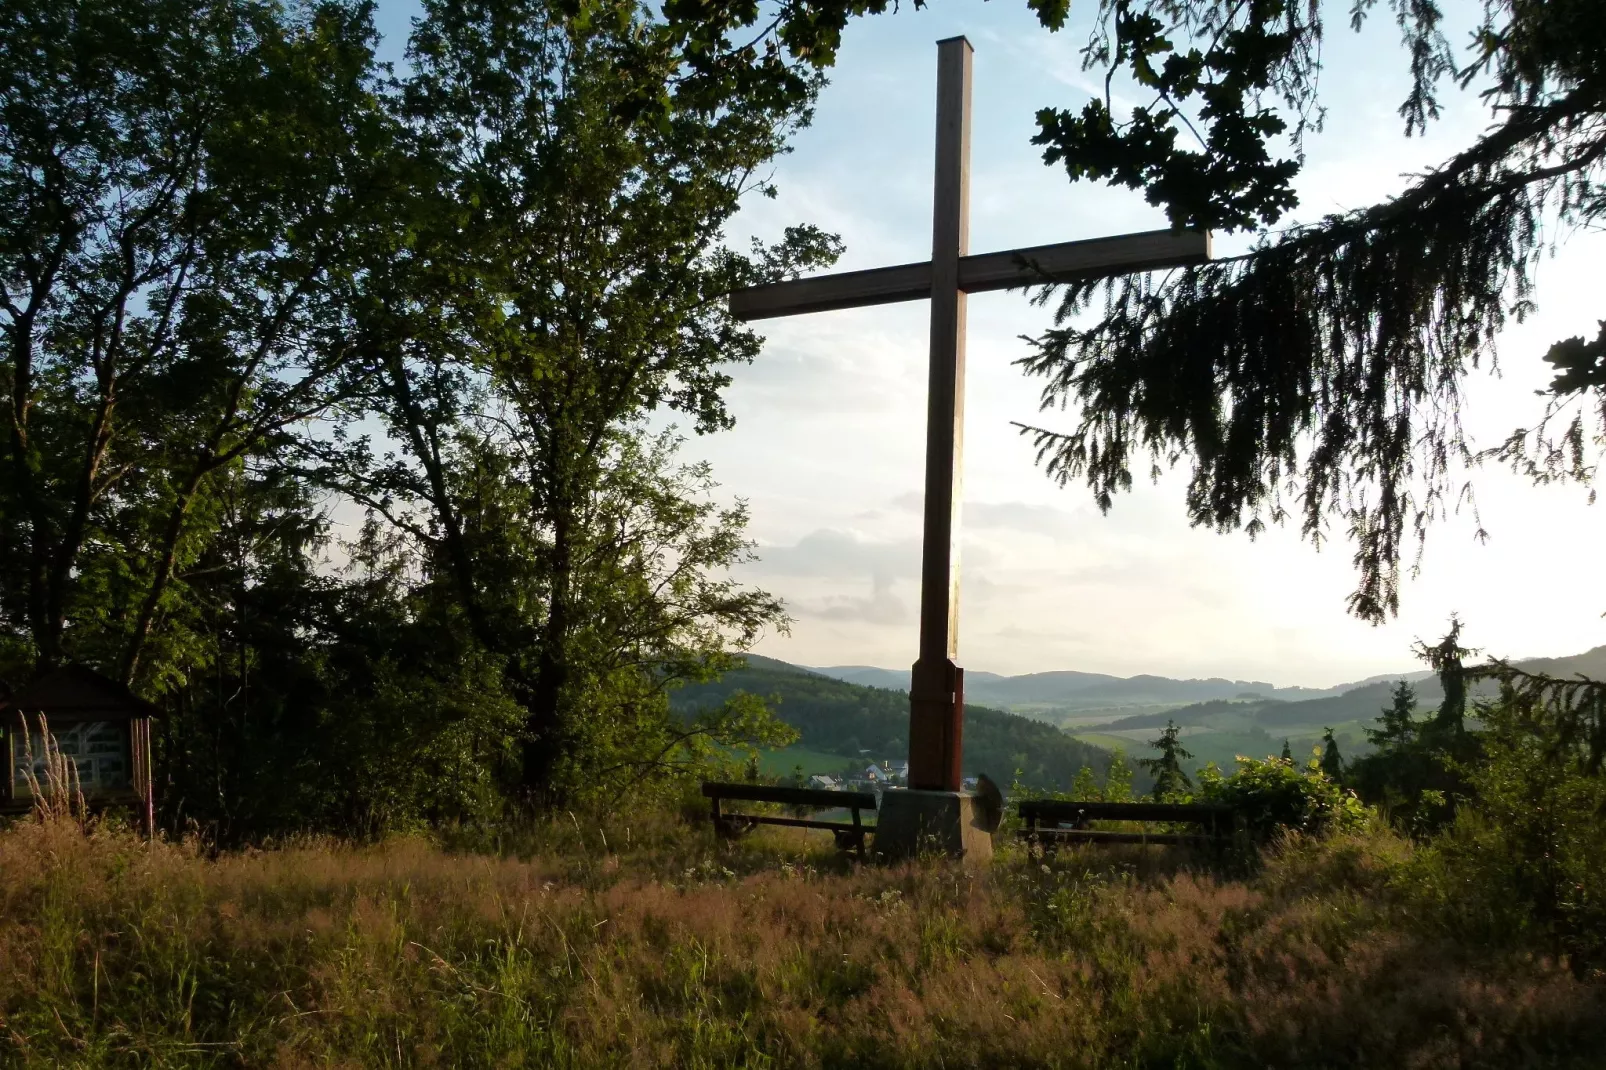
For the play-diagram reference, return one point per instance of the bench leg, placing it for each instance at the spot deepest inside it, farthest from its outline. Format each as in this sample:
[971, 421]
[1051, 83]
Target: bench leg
[1050, 844]
[1036, 843]
[730, 826]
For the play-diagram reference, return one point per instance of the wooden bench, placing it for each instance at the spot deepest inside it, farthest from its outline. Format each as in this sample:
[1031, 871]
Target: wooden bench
[849, 834]
[1045, 821]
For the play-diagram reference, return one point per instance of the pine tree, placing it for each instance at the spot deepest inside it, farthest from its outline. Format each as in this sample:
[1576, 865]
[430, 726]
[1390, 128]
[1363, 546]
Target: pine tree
[1447, 658]
[1398, 720]
[1288, 753]
[1418, 769]
[1332, 761]
[1169, 779]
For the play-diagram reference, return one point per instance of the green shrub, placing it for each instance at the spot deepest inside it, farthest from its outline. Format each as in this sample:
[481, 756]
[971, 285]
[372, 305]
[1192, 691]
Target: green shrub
[1525, 859]
[1270, 794]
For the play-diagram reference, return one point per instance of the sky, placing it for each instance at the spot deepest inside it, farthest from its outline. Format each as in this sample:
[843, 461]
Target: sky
[828, 445]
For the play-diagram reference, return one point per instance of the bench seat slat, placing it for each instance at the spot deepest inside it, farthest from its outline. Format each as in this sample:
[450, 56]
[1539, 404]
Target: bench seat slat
[797, 822]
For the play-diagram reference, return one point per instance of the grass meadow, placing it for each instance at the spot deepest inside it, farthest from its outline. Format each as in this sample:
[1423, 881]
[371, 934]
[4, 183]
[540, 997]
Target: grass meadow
[786, 761]
[649, 943]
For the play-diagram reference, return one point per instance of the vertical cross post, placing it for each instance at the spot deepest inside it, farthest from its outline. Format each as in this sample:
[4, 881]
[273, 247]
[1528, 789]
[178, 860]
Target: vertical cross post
[936, 694]
[937, 691]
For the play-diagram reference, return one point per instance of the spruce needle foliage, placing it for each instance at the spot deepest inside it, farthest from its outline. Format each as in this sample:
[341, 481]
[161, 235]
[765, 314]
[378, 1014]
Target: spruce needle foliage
[1319, 376]
[1170, 781]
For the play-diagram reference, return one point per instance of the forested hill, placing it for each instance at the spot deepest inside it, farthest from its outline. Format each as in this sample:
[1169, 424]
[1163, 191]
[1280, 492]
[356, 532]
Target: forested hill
[847, 719]
[1068, 691]
[1361, 703]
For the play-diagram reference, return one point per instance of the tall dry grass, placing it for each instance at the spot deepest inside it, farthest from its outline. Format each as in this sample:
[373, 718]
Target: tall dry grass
[59, 797]
[651, 944]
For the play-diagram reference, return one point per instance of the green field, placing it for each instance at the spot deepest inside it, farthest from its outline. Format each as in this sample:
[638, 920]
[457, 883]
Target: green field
[785, 761]
[1204, 744]
[1109, 741]
[1073, 717]
[1221, 743]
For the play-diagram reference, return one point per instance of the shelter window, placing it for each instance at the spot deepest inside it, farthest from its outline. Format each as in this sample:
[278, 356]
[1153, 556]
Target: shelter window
[98, 749]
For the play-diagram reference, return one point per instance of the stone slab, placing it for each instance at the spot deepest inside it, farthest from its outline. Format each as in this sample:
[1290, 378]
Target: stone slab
[911, 822]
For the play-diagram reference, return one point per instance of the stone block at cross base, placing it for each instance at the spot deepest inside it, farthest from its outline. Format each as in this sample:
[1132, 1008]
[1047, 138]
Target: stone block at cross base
[912, 822]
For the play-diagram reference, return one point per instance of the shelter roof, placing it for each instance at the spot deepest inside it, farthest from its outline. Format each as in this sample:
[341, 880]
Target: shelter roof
[77, 692]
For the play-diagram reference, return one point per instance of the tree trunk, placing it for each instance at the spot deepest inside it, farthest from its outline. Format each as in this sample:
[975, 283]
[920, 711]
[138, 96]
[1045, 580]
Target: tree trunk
[543, 725]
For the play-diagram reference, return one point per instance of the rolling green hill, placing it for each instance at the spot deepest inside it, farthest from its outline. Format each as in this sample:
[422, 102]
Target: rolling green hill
[846, 719]
[1222, 745]
[1063, 695]
[843, 721]
[1091, 702]
[1219, 729]
[1359, 705]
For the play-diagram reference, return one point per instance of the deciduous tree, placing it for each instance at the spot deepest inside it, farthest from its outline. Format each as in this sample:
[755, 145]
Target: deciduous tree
[187, 193]
[566, 279]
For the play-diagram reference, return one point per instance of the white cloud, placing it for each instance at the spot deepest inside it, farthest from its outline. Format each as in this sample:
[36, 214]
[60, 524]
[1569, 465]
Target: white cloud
[831, 553]
[882, 607]
[1022, 517]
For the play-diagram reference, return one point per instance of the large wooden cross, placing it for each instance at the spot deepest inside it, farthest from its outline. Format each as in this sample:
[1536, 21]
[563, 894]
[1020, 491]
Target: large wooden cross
[936, 694]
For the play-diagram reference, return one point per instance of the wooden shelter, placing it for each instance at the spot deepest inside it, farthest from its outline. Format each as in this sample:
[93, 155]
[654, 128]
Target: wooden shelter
[97, 724]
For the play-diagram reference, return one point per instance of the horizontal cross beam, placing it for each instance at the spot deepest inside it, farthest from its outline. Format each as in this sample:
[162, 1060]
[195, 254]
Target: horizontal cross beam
[1148, 251]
